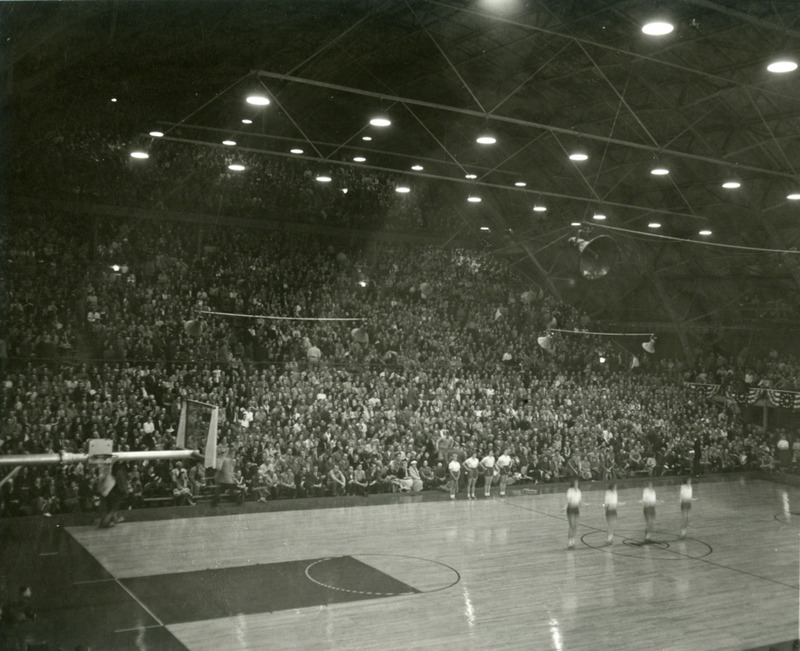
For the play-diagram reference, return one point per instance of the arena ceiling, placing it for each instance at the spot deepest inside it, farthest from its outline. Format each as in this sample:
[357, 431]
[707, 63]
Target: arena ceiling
[545, 78]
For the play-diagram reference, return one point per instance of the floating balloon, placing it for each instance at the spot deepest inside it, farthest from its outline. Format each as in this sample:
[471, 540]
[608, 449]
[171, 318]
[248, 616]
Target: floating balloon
[194, 328]
[360, 335]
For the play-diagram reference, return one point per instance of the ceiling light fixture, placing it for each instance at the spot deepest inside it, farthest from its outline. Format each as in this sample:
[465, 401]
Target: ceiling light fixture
[114, 100]
[484, 228]
[705, 231]
[657, 28]
[258, 100]
[402, 189]
[474, 198]
[157, 134]
[659, 171]
[229, 143]
[236, 167]
[417, 168]
[470, 176]
[578, 156]
[359, 159]
[731, 185]
[520, 184]
[782, 66]
[575, 224]
[366, 138]
[246, 121]
[794, 196]
[380, 121]
[654, 225]
[140, 154]
[486, 140]
[323, 178]
[598, 216]
[296, 151]
[539, 208]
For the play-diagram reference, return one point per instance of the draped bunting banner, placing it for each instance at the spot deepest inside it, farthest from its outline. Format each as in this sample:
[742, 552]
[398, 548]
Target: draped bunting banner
[776, 397]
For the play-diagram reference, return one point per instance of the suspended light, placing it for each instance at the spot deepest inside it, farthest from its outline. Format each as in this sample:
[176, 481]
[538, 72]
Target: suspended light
[246, 121]
[578, 156]
[359, 159]
[520, 184]
[296, 150]
[114, 100]
[657, 28]
[473, 198]
[258, 100]
[366, 138]
[598, 216]
[486, 139]
[654, 225]
[731, 185]
[470, 176]
[402, 189]
[705, 231]
[157, 134]
[140, 154]
[380, 121]
[344, 190]
[115, 267]
[484, 228]
[236, 167]
[417, 168]
[659, 171]
[650, 346]
[602, 359]
[782, 66]
[575, 223]
[323, 178]
[229, 143]
[794, 196]
[539, 208]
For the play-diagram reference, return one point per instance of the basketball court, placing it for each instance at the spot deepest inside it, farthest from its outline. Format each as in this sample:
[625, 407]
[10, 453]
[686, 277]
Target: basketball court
[403, 571]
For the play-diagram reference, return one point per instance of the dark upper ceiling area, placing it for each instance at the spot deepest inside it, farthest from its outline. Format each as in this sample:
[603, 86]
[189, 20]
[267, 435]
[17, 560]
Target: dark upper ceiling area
[546, 78]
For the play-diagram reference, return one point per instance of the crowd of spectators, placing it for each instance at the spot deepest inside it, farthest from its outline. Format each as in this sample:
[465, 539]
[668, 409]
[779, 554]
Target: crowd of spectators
[107, 334]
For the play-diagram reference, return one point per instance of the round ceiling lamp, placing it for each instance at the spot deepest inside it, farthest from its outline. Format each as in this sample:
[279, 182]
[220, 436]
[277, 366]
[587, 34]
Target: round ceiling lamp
[380, 121]
[236, 167]
[782, 66]
[157, 134]
[258, 100]
[359, 159]
[296, 150]
[323, 178]
[470, 176]
[366, 138]
[417, 168]
[486, 139]
[140, 155]
[659, 171]
[578, 156]
[704, 232]
[402, 189]
[246, 121]
[598, 216]
[794, 196]
[485, 228]
[575, 223]
[539, 208]
[520, 184]
[654, 225]
[473, 198]
[658, 28]
[731, 185]
[229, 143]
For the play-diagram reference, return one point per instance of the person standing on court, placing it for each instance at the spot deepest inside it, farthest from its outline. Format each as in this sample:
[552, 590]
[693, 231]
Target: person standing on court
[610, 502]
[573, 509]
[504, 469]
[225, 478]
[649, 504]
[454, 467]
[686, 504]
[471, 464]
[487, 464]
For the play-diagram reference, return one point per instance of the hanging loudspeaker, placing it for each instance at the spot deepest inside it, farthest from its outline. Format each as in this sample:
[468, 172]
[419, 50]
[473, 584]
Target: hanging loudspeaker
[194, 328]
[360, 335]
[650, 346]
[545, 342]
[598, 255]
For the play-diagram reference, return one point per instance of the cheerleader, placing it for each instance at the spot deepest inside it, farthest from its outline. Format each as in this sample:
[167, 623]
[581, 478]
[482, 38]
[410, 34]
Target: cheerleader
[649, 502]
[573, 511]
[471, 467]
[487, 465]
[504, 469]
[686, 504]
[455, 473]
[610, 503]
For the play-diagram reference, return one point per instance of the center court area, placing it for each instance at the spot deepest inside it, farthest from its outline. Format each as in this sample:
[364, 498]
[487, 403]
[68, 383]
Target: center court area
[427, 572]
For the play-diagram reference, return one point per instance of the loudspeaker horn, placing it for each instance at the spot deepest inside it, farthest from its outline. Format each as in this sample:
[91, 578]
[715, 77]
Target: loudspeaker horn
[598, 255]
[650, 346]
[545, 342]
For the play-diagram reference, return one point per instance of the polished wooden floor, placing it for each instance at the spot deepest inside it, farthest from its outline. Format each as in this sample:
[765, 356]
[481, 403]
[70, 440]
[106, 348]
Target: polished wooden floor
[490, 573]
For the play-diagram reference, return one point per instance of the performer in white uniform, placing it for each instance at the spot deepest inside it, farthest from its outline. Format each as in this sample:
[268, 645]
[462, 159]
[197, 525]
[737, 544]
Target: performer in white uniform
[471, 467]
[649, 502]
[610, 503]
[504, 462]
[573, 511]
[455, 473]
[487, 463]
[686, 504]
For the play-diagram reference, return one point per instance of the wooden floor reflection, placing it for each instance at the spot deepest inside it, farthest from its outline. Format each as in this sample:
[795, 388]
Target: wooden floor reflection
[496, 573]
